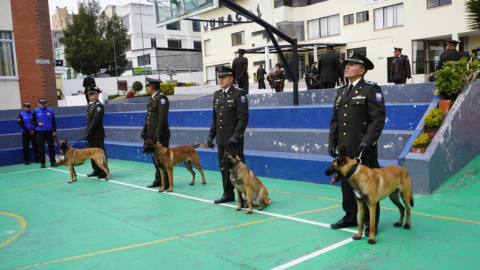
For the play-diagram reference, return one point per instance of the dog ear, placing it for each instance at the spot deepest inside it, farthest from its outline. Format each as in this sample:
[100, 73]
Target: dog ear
[343, 156]
[232, 150]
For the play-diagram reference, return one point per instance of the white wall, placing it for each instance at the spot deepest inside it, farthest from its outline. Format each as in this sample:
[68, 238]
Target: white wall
[109, 85]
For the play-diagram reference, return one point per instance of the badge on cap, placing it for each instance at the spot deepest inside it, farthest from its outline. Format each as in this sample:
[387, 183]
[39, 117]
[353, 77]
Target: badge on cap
[351, 53]
[162, 101]
[378, 97]
[243, 99]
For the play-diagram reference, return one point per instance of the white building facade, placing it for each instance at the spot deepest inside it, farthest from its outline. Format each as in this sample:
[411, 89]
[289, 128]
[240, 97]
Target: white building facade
[372, 27]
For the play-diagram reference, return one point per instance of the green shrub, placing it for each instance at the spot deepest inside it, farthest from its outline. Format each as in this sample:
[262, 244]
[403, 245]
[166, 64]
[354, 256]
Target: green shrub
[451, 79]
[421, 141]
[434, 118]
[167, 88]
[113, 96]
[137, 86]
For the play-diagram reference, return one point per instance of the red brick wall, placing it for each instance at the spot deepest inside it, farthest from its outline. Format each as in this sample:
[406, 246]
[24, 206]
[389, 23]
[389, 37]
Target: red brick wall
[33, 40]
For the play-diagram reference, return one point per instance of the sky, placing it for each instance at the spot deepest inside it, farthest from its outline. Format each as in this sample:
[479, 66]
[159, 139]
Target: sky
[73, 6]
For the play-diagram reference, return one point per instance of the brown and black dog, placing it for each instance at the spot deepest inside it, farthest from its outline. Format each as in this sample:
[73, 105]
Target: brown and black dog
[75, 157]
[248, 186]
[166, 158]
[373, 185]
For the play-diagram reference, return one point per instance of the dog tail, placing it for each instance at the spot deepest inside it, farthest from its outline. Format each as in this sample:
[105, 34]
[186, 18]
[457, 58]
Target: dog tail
[202, 145]
[409, 184]
[269, 201]
[105, 162]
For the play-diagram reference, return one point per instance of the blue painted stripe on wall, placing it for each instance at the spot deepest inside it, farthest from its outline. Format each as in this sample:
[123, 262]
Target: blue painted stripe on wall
[63, 122]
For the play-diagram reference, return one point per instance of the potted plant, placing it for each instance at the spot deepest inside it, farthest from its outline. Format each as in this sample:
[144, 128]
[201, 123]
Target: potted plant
[432, 122]
[419, 144]
[137, 87]
[452, 78]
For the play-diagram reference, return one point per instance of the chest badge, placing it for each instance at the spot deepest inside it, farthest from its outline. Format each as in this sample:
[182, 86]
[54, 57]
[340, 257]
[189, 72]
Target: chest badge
[48, 113]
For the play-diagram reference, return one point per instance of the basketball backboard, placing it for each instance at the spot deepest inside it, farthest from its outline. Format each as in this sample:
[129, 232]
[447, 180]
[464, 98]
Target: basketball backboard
[169, 11]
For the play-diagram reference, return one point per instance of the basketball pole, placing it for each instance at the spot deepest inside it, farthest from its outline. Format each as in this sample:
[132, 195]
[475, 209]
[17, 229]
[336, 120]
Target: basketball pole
[270, 29]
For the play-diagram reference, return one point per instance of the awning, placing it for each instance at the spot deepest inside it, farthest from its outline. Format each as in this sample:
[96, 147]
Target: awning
[302, 47]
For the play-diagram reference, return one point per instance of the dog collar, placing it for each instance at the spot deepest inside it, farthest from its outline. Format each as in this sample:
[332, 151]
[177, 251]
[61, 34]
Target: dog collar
[352, 171]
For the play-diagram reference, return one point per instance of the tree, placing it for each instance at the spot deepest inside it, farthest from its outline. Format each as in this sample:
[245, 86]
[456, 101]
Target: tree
[89, 40]
[473, 11]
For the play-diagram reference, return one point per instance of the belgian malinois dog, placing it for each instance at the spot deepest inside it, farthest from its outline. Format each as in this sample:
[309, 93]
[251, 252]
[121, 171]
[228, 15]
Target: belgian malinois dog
[75, 157]
[248, 186]
[166, 158]
[373, 185]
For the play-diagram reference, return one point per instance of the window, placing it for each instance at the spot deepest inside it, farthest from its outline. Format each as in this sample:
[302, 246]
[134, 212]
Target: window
[7, 57]
[348, 19]
[211, 75]
[174, 44]
[437, 3]
[361, 50]
[143, 60]
[324, 27]
[362, 16]
[208, 48]
[126, 22]
[387, 17]
[296, 3]
[196, 26]
[129, 65]
[153, 43]
[292, 29]
[238, 38]
[197, 45]
[174, 26]
[426, 54]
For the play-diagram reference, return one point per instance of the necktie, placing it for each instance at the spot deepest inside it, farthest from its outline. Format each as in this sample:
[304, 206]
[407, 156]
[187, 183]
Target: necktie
[349, 89]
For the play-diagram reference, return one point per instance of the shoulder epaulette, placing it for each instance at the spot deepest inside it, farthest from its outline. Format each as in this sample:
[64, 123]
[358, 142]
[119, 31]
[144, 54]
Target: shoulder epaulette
[370, 83]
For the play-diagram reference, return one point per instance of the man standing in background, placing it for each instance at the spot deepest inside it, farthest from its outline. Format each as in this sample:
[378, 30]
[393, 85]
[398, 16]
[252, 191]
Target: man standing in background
[240, 66]
[46, 129]
[401, 70]
[330, 68]
[28, 133]
[261, 77]
[88, 83]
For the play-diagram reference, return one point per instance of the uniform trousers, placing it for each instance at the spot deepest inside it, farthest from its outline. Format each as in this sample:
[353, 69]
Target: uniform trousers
[401, 81]
[26, 139]
[47, 136]
[98, 143]
[158, 177]
[227, 184]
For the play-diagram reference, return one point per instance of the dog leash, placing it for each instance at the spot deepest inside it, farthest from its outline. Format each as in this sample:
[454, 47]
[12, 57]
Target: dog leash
[359, 158]
[79, 140]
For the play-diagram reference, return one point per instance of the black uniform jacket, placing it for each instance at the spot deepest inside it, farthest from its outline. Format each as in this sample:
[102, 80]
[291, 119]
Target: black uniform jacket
[240, 65]
[261, 74]
[451, 55]
[94, 117]
[358, 117]
[156, 121]
[230, 115]
[330, 67]
[401, 68]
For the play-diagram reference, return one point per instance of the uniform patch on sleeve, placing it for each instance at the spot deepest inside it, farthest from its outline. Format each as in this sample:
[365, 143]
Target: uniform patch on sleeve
[243, 99]
[99, 109]
[370, 82]
[378, 97]
[162, 101]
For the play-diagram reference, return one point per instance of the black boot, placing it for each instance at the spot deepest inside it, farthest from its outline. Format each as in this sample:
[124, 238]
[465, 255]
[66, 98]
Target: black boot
[155, 183]
[42, 166]
[27, 162]
[92, 174]
[53, 164]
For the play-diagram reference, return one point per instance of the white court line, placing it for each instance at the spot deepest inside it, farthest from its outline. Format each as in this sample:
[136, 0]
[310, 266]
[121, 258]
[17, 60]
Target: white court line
[284, 266]
[21, 172]
[313, 255]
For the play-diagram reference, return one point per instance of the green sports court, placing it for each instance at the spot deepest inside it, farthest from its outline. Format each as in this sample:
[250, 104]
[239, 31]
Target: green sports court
[120, 224]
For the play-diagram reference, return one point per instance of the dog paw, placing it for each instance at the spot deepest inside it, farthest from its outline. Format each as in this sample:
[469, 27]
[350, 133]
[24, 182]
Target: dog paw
[161, 190]
[191, 184]
[260, 208]
[169, 190]
[357, 237]
[238, 209]
[397, 224]
[70, 182]
[371, 241]
[406, 226]
[204, 183]
[249, 212]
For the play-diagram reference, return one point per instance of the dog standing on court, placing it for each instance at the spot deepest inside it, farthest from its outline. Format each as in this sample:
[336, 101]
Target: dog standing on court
[75, 157]
[166, 158]
[373, 185]
[246, 183]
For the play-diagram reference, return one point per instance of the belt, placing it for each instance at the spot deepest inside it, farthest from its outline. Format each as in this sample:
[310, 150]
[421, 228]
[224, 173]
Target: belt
[280, 80]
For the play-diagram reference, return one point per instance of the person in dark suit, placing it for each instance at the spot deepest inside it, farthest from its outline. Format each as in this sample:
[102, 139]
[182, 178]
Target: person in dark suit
[330, 68]
[308, 81]
[95, 131]
[401, 70]
[451, 53]
[278, 79]
[230, 119]
[357, 123]
[88, 83]
[261, 77]
[313, 71]
[28, 133]
[156, 123]
[240, 66]
[46, 129]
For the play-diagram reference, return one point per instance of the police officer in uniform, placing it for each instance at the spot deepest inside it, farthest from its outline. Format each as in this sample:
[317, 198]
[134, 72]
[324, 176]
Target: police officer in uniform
[156, 123]
[401, 70]
[261, 77]
[95, 131]
[357, 122]
[451, 53]
[28, 133]
[46, 129]
[88, 83]
[278, 78]
[230, 119]
[240, 67]
[330, 68]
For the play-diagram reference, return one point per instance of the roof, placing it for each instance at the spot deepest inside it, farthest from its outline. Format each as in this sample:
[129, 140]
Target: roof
[302, 47]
